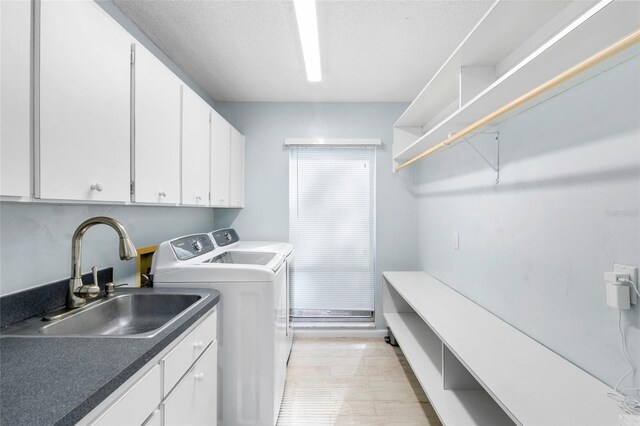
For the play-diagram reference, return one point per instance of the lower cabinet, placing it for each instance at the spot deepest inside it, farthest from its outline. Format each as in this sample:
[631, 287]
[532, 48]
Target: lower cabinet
[178, 387]
[155, 419]
[193, 400]
[135, 404]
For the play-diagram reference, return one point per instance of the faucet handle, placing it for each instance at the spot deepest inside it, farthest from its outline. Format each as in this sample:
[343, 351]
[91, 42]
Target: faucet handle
[94, 270]
[92, 290]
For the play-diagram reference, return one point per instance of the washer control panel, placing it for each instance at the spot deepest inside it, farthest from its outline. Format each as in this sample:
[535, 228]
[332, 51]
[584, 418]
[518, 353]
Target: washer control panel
[189, 247]
[224, 237]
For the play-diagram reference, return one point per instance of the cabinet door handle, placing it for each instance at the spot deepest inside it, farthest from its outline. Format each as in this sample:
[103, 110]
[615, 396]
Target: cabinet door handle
[97, 187]
[198, 345]
[198, 376]
[198, 198]
[162, 194]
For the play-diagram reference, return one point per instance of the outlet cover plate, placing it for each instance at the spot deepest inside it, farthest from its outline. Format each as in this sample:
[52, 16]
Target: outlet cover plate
[632, 271]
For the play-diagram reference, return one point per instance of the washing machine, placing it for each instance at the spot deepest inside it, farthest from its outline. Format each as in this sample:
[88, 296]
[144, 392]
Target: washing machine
[228, 237]
[253, 345]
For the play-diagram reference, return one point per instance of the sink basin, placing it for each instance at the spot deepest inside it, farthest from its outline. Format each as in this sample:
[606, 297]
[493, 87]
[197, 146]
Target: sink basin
[127, 315]
[123, 315]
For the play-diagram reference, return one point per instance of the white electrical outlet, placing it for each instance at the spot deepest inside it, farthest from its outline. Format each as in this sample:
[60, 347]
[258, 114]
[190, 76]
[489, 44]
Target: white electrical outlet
[632, 272]
[456, 241]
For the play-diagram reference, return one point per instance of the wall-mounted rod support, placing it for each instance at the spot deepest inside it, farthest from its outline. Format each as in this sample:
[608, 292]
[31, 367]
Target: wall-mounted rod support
[495, 166]
[599, 57]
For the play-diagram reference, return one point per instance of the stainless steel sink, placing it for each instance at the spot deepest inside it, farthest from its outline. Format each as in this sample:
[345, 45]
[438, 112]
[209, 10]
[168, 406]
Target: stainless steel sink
[127, 315]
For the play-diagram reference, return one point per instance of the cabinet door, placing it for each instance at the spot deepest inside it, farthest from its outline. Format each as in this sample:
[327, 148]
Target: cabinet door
[195, 149]
[157, 130]
[194, 400]
[185, 353]
[155, 419]
[84, 103]
[236, 188]
[15, 98]
[136, 404]
[220, 161]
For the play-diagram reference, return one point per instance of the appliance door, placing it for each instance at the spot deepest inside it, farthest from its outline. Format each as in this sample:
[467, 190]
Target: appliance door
[281, 351]
[289, 316]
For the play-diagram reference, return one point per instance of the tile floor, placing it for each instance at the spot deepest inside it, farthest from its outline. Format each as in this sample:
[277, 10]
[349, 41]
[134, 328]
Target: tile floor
[352, 381]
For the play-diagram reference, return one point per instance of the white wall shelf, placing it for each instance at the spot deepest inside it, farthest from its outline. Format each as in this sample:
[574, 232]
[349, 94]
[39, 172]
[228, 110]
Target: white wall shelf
[484, 46]
[521, 378]
[571, 35]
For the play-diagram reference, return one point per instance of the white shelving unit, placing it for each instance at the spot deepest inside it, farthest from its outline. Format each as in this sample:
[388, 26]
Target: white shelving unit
[423, 350]
[477, 369]
[514, 48]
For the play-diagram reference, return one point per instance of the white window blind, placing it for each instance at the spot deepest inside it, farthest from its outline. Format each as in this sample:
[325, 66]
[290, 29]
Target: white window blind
[331, 225]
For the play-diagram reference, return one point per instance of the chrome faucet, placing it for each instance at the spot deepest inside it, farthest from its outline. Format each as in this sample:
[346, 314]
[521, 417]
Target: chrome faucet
[127, 252]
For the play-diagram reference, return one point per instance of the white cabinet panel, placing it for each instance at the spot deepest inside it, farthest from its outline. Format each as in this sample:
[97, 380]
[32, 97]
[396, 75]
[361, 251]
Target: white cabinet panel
[195, 149]
[15, 95]
[236, 187]
[137, 402]
[84, 103]
[187, 351]
[155, 419]
[220, 160]
[194, 400]
[157, 130]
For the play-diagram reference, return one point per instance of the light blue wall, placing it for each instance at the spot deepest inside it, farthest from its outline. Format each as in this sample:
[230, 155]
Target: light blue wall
[35, 239]
[533, 249]
[265, 216]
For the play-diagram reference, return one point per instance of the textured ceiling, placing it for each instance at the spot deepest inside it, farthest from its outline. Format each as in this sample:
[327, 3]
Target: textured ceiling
[371, 51]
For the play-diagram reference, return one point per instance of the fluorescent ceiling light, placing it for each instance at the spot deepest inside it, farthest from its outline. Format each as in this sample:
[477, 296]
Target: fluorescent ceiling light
[308, 29]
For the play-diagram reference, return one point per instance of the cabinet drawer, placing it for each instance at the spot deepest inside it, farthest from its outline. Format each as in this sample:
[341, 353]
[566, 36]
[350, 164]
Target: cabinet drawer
[180, 359]
[135, 405]
[194, 400]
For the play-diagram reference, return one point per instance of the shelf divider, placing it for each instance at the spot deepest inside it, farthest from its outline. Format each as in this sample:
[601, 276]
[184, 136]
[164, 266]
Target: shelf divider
[422, 348]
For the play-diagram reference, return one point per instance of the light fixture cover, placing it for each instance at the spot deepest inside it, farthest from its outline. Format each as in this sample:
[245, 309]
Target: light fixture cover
[308, 29]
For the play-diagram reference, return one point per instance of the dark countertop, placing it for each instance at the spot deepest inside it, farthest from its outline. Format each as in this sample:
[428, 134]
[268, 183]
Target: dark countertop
[59, 380]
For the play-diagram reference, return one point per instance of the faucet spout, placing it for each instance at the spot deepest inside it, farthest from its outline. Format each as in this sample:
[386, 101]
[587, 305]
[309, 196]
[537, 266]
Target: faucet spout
[127, 251]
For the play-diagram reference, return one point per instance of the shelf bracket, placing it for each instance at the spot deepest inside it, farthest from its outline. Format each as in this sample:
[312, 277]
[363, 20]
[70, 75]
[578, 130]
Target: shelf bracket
[495, 165]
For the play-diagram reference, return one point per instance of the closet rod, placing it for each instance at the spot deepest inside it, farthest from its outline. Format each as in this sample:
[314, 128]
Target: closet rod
[601, 56]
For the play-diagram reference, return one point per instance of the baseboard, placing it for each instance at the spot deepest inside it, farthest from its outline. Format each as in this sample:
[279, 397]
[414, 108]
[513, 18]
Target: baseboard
[338, 332]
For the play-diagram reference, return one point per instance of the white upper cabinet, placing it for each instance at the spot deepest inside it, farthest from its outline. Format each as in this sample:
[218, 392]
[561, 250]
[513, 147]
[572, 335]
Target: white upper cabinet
[156, 141]
[220, 160]
[236, 187]
[83, 147]
[195, 149]
[15, 95]
[103, 119]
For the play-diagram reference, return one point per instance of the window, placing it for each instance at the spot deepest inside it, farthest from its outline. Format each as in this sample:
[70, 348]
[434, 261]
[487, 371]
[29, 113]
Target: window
[332, 227]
